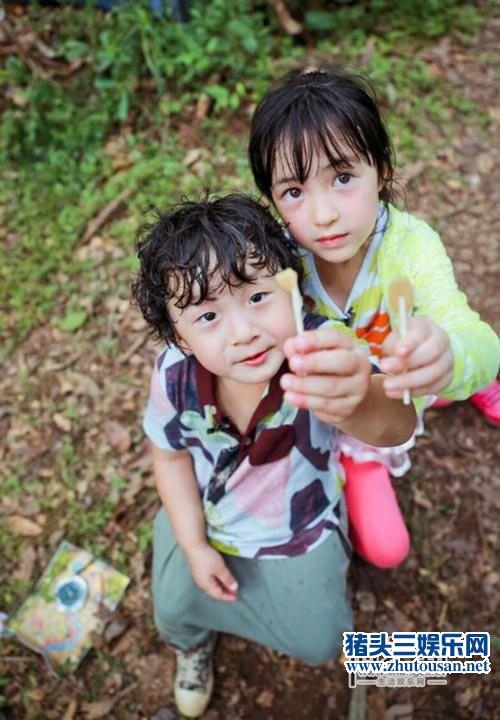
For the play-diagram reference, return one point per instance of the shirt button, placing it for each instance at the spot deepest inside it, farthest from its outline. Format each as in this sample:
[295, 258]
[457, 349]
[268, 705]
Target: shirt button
[247, 441]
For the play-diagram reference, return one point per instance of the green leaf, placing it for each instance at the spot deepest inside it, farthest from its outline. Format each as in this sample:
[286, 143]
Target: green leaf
[73, 320]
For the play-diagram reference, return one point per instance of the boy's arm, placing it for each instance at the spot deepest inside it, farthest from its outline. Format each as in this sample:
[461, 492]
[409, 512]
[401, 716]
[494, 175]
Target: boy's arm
[178, 490]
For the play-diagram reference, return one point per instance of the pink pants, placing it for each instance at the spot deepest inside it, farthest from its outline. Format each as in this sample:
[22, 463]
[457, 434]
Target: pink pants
[376, 527]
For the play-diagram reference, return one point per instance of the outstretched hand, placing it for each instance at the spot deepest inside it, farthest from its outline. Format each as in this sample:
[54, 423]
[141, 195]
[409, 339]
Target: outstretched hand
[330, 374]
[422, 363]
[211, 573]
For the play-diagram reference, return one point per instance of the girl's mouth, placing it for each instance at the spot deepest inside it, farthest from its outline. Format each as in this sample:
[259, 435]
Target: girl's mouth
[332, 240]
[256, 359]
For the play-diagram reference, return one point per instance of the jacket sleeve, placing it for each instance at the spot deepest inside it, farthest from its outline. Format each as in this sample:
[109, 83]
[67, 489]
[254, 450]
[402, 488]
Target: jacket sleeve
[419, 254]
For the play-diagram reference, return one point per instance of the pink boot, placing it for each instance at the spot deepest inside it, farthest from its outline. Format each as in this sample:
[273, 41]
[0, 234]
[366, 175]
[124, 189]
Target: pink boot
[376, 527]
[487, 402]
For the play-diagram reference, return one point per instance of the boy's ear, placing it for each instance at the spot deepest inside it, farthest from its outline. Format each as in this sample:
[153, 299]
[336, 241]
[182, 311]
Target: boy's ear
[184, 347]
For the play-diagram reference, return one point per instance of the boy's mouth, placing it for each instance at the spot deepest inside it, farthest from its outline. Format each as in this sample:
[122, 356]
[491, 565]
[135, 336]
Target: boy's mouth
[332, 240]
[257, 359]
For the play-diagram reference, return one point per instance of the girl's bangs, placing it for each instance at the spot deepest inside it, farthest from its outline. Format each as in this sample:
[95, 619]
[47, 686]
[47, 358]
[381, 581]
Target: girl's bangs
[304, 138]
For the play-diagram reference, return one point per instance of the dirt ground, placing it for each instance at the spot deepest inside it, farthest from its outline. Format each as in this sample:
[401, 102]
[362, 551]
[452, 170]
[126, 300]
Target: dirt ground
[450, 496]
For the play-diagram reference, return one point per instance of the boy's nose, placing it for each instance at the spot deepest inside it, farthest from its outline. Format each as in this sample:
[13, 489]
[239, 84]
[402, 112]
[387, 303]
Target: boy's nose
[242, 330]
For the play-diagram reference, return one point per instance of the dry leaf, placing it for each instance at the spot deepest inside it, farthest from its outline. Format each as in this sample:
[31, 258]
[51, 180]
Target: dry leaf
[114, 629]
[22, 526]
[265, 699]
[61, 422]
[26, 565]
[98, 709]
[118, 436]
[70, 710]
[485, 163]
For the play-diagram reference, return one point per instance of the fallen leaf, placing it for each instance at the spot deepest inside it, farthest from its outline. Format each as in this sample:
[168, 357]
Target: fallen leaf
[22, 526]
[118, 436]
[400, 710]
[134, 486]
[98, 709]
[26, 565]
[73, 320]
[485, 163]
[265, 699]
[137, 565]
[61, 422]
[70, 710]
[114, 630]
[164, 713]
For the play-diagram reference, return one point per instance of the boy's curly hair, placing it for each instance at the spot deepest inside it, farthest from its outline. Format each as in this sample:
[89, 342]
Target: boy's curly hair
[194, 242]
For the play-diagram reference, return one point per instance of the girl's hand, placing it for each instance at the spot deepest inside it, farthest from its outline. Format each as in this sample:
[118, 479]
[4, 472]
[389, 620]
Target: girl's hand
[422, 363]
[331, 374]
[210, 572]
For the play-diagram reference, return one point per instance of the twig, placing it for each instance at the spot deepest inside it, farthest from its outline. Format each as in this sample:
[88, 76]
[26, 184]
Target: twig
[112, 208]
[132, 349]
[287, 22]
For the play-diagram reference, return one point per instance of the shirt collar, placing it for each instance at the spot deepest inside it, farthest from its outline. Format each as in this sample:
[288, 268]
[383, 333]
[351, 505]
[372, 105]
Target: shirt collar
[270, 402]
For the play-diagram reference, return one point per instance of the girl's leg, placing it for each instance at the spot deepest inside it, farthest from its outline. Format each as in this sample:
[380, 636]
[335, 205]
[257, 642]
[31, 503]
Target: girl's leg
[376, 527]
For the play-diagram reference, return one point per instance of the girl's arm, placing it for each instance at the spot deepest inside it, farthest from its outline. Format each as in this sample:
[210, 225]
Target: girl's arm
[178, 490]
[379, 420]
[331, 375]
[449, 349]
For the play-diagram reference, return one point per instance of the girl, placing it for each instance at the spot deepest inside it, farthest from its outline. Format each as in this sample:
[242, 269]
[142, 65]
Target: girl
[320, 152]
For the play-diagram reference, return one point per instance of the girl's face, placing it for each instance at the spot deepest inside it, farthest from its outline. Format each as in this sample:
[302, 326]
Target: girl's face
[334, 211]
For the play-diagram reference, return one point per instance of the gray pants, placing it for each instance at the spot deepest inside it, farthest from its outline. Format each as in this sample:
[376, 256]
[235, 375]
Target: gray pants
[297, 605]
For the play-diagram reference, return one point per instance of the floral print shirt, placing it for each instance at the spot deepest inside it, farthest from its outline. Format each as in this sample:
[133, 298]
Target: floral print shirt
[273, 491]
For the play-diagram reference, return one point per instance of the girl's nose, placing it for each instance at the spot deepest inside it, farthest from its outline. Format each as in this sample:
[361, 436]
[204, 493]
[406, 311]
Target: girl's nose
[323, 210]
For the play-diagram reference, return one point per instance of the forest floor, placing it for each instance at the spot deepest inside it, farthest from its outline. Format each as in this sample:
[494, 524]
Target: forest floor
[449, 581]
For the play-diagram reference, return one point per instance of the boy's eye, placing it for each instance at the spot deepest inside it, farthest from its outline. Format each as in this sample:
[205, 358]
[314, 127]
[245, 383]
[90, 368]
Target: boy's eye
[343, 179]
[206, 318]
[258, 297]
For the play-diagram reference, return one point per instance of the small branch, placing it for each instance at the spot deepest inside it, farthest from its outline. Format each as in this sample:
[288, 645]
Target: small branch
[113, 208]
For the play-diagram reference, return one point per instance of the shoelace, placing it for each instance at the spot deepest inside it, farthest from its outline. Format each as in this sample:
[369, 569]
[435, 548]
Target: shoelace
[193, 667]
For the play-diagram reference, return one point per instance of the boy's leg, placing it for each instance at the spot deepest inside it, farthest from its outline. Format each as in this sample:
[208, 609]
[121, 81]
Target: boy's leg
[376, 526]
[297, 606]
[173, 591]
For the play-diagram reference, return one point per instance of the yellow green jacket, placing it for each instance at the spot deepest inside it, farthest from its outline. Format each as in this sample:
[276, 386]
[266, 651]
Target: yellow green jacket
[412, 249]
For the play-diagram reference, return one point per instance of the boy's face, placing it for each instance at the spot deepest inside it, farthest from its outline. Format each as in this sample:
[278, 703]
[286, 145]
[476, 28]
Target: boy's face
[240, 334]
[334, 211]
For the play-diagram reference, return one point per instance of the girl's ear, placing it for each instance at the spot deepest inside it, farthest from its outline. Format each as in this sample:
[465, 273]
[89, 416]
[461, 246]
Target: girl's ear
[382, 179]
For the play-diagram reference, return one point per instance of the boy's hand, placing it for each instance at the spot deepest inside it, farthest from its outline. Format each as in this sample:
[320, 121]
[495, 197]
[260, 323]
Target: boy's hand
[422, 363]
[331, 374]
[210, 572]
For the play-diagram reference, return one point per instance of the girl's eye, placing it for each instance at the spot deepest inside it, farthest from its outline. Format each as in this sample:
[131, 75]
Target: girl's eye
[206, 318]
[291, 194]
[258, 297]
[343, 179]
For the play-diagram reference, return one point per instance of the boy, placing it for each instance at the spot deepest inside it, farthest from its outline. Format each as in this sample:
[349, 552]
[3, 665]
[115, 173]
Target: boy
[251, 538]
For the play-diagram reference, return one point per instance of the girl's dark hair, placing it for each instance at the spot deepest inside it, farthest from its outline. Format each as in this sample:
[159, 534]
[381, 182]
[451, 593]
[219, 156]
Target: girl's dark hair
[195, 242]
[328, 110]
